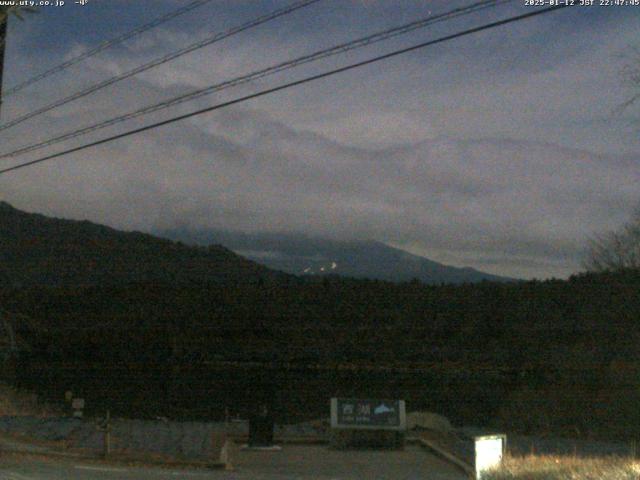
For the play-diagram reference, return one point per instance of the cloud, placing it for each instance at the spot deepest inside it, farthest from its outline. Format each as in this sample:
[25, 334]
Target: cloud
[472, 200]
[490, 152]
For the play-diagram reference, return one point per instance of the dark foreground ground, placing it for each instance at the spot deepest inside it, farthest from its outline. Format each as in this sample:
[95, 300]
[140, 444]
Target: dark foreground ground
[292, 463]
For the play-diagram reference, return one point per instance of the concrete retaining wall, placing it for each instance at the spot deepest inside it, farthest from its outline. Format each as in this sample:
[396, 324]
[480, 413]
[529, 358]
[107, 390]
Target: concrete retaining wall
[173, 439]
[189, 440]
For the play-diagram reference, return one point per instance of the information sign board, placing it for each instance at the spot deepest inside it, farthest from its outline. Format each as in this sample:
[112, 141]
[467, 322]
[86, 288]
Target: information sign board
[354, 413]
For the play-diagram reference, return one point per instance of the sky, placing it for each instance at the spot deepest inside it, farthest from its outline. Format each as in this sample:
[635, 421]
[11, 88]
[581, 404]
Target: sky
[505, 150]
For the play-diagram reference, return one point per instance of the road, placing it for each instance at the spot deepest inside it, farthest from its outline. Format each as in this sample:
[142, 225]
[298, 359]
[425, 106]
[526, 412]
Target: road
[38, 469]
[292, 463]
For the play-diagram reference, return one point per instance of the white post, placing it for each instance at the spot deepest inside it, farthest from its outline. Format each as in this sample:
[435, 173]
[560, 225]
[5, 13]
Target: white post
[489, 451]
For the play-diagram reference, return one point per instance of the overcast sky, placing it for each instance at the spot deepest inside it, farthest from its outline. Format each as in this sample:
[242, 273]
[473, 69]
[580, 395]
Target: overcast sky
[502, 150]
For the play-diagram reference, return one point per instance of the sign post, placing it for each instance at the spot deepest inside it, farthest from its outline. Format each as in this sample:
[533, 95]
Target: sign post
[368, 422]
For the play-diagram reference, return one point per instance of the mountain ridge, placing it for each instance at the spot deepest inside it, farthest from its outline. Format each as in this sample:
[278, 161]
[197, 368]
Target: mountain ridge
[40, 250]
[301, 254]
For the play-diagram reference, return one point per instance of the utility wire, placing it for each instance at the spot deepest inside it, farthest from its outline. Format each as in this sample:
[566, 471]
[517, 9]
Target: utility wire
[289, 85]
[161, 60]
[344, 47]
[106, 44]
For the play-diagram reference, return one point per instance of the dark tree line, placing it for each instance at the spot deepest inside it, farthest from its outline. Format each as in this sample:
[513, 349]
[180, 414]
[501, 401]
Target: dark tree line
[555, 356]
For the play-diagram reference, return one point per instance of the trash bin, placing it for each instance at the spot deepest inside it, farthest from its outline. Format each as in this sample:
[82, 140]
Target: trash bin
[261, 427]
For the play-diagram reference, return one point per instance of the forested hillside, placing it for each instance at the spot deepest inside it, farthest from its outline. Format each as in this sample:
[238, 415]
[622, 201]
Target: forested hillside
[551, 356]
[557, 356]
[37, 250]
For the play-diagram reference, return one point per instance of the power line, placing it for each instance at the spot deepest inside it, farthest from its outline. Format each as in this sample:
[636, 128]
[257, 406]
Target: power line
[161, 60]
[344, 47]
[289, 85]
[106, 44]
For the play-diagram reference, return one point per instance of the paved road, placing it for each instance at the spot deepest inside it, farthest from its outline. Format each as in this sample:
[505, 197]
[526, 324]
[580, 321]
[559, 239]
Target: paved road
[292, 463]
[46, 470]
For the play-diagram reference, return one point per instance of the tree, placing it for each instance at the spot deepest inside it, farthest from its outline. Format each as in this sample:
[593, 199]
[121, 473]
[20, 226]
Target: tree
[630, 74]
[5, 12]
[616, 250]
